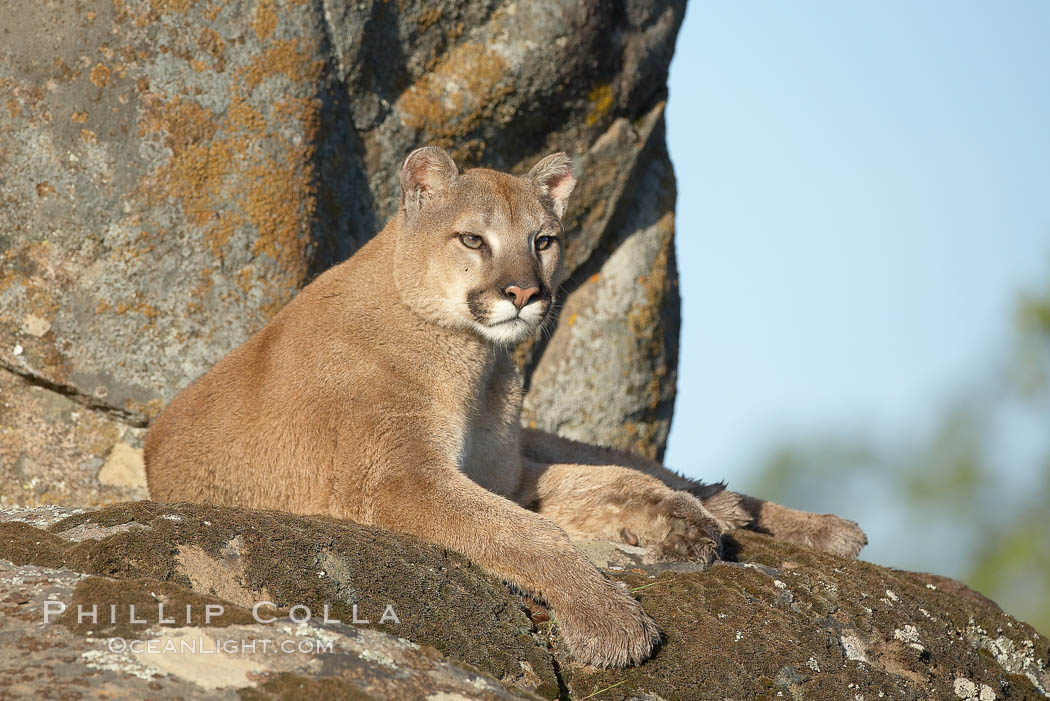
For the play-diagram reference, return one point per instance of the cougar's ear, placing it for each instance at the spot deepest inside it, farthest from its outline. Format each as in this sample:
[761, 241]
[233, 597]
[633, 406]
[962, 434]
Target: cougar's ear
[427, 172]
[553, 177]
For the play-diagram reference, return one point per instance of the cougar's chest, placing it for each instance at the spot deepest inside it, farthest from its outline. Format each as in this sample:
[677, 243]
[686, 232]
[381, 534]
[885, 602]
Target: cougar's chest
[490, 450]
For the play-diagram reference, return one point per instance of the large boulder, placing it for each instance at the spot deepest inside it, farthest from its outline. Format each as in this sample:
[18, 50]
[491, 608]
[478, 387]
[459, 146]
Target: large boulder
[173, 172]
[777, 620]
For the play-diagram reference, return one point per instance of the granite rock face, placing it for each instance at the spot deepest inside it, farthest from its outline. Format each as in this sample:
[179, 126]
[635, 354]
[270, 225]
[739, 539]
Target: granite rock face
[777, 621]
[173, 171]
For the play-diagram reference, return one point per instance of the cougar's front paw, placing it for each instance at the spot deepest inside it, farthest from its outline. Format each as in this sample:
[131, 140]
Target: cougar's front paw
[685, 531]
[609, 631]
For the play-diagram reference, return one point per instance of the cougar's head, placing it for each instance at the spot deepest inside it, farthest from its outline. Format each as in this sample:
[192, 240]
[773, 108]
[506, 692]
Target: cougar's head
[480, 250]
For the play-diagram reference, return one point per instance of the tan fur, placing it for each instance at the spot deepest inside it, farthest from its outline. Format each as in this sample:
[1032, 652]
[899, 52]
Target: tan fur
[729, 509]
[384, 394]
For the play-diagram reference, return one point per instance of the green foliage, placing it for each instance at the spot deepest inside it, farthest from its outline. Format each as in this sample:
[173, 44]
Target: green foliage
[1030, 370]
[1011, 563]
[949, 470]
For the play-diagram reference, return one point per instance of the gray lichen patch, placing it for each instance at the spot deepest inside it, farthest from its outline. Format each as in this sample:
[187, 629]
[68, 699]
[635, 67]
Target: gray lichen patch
[39, 516]
[1015, 652]
[89, 531]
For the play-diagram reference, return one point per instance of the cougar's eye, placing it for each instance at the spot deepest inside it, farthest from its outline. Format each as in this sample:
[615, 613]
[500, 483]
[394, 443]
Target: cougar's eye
[471, 240]
[544, 242]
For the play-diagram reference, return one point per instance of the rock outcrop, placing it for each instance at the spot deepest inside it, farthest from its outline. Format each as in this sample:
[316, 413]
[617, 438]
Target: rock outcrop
[776, 621]
[172, 172]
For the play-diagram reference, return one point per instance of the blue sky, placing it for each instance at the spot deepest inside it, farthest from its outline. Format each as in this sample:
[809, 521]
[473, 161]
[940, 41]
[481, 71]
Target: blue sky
[863, 190]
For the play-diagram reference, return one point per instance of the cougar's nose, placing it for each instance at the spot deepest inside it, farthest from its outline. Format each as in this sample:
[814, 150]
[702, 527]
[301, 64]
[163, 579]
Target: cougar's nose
[519, 296]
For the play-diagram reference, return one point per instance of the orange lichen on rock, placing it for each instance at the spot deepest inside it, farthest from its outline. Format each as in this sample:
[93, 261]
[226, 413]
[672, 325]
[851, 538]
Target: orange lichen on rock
[100, 75]
[219, 235]
[458, 94]
[244, 278]
[171, 5]
[601, 100]
[140, 306]
[211, 43]
[288, 57]
[196, 177]
[429, 17]
[220, 178]
[265, 20]
[305, 110]
[275, 208]
[243, 116]
[184, 122]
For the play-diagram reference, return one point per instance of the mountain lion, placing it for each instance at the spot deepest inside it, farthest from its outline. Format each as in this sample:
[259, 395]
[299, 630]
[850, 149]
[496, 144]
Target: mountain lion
[384, 393]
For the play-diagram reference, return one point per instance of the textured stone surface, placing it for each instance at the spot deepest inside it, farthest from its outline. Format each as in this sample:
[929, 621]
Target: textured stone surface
[783, 621]
[60, 659]
[171, 172]
[52, 449]
[779, 621]
[244, 557]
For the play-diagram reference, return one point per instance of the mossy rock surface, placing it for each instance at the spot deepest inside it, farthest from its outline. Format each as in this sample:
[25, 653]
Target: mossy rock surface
[776, 621]
[244, 557]
[224, 659]
[785, 621]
